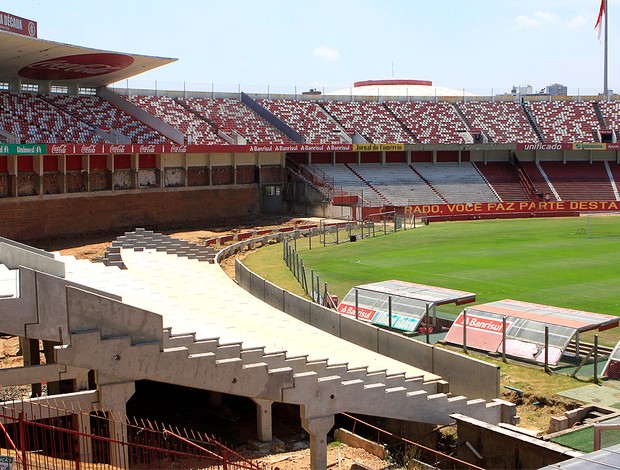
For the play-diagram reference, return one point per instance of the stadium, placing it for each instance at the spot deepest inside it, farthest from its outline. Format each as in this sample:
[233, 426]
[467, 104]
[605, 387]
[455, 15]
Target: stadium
[82, 157]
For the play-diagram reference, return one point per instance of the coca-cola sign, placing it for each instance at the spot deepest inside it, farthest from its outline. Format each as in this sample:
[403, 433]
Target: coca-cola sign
[87, 149]
[76, 66]
[120, 148]
[60, 148]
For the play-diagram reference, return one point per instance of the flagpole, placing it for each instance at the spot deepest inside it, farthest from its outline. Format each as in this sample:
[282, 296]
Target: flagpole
[605, 87]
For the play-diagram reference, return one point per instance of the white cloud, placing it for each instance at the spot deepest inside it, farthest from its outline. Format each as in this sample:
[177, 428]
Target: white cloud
[546, 17]
[326, 53]
[527, 22]
[579, 21]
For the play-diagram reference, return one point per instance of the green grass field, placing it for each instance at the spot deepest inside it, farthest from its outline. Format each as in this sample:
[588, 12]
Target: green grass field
[549, 260]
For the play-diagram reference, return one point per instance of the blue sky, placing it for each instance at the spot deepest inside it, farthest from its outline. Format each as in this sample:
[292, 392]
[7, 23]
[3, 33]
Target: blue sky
[278, 45]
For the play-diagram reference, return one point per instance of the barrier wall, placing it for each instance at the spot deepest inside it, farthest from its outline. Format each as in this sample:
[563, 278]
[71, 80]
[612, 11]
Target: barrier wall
[467, 376]
[67, 215]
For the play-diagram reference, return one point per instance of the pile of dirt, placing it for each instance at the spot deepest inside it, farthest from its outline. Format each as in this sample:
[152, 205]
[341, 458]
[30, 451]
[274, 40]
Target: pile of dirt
[537, 410]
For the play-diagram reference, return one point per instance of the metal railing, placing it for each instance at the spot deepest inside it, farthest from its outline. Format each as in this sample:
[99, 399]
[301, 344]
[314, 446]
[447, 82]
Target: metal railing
[36, 436]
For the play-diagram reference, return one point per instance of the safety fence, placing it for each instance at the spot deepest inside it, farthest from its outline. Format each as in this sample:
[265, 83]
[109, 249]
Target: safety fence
[36, 436]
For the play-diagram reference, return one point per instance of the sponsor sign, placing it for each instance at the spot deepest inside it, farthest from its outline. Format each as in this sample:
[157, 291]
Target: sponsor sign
[365, 314]
[378, 147]
[589, 146]
[482, 332]
[18, 25]
[479, 208]
[399, 322]
[23, 149]
[568, 146]
[77, 66]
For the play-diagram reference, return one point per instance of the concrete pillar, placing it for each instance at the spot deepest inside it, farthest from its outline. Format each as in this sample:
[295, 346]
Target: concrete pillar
[85, 443]
[113, 399]
[53, 388]
[31, 357]
[215, 399]
[317, 428]
[263, 419]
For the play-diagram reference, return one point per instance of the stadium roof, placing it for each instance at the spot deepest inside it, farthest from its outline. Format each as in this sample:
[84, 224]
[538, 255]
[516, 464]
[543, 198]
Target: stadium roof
[38, 60]
[400, 88]
[428, 294]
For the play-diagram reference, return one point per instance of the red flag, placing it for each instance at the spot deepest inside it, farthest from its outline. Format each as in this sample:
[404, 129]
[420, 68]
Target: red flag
[599, 21]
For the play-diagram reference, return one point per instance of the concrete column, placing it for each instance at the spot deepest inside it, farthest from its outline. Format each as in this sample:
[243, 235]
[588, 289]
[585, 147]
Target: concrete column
[31, 357]
[113, 399]
[85, 443]
[263, 419]
[53, 388]
[215, 399]
[317, 428]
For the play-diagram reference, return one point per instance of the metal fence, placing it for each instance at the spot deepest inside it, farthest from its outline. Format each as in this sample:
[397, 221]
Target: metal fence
[66, 439]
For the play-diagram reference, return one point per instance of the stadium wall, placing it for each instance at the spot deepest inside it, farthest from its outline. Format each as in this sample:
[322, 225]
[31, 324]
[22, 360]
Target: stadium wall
[467, 376]
[69, 215]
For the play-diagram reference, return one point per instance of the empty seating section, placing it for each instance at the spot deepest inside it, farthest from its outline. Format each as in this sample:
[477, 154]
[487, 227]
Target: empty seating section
[100, 113]
[398, 183]
[611, 114]
[347, 182]
[307, 118]
[457, 183]
[232, 115]
[32, 119]
[430, 122]
[502, 121]
[538, 180]
[370, 119]
[196, 130]
[503, 177]
[580, 181]
[565, 121]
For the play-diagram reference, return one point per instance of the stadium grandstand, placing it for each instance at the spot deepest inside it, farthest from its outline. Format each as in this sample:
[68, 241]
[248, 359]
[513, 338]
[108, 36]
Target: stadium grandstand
[80, 157]
[408, 144]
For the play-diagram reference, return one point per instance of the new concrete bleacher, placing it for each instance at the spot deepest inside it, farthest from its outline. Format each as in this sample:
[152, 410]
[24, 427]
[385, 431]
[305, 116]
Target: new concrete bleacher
[501, 121]
[457, 183]
[370, 119]
[430, 122]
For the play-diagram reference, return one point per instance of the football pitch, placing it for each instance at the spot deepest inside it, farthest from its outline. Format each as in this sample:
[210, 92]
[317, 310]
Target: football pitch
[550, 261]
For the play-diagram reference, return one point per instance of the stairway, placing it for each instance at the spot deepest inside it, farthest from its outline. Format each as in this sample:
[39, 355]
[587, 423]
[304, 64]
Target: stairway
[321, 388]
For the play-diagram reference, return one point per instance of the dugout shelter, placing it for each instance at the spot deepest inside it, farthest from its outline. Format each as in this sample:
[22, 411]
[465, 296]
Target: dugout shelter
[612, 367]
[400, 305]
[523, 326]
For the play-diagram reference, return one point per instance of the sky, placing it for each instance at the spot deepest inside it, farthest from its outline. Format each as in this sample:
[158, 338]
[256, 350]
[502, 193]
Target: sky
[293, 45]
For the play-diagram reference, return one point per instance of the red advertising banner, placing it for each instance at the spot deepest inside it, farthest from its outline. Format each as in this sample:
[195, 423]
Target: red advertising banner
[365, 314]
[18, 25]
[482, 332]
[482, 208]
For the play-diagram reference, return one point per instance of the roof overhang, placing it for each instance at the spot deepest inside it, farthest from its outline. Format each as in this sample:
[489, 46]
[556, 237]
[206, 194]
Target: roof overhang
[39, 61]
[431, 295]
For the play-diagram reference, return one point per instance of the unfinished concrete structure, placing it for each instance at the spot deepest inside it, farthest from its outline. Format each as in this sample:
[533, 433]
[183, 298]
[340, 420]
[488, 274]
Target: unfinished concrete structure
[161, 310]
